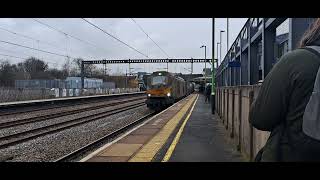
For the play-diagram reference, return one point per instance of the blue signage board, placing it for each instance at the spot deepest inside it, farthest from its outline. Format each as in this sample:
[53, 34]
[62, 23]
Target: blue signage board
[234, 64]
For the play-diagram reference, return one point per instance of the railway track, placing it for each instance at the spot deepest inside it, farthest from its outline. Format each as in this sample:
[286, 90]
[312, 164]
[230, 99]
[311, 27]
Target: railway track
[17, 138]
[97, 143]
[63, 113]
[7, 112]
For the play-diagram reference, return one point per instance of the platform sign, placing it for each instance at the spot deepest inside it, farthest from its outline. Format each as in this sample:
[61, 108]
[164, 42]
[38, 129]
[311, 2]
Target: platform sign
[234, 64]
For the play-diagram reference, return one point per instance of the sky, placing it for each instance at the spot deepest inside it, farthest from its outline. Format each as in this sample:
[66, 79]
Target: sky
[177, 37]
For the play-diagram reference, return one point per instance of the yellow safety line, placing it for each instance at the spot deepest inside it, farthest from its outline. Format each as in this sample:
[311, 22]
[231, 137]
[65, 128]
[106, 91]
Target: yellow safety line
[176, 139]
[148, 151]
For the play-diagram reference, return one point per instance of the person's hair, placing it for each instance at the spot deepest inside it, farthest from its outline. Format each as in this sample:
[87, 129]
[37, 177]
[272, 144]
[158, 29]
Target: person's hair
[311, 35]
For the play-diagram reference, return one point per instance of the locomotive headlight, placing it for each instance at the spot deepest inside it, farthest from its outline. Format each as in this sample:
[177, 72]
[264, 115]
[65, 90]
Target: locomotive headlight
[149, 95]
[168, 94]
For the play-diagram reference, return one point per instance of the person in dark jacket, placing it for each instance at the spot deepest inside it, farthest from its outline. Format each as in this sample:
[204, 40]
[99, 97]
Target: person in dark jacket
[208, 93]
[282, 99]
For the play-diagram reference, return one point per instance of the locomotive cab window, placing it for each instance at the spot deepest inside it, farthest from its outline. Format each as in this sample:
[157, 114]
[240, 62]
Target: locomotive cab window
[157, 80]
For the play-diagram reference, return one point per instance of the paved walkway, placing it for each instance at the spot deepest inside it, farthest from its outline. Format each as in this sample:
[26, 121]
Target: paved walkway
[204, 138]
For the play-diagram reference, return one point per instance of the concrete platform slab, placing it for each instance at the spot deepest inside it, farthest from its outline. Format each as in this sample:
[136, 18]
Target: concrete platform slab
[135, 139]
[120, 149]
[145, 131]
[153, 126]
[109, 159]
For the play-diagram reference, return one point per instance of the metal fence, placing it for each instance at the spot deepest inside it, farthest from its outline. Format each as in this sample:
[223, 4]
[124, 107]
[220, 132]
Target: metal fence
[71, 83]
[38, 84]
[75, 82]
[22, 94]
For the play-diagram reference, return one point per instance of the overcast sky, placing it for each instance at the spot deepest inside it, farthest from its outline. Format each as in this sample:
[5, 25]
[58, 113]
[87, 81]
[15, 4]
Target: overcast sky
[178, 37]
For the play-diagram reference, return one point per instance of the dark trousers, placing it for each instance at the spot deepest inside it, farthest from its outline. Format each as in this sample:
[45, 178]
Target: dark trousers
[207, 98]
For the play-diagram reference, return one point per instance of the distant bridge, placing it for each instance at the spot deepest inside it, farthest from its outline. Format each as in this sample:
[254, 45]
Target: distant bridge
[129, 61]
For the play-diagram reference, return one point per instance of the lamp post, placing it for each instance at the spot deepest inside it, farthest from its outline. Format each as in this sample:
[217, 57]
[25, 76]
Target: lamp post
[126, 85]
[191, 67]
[205, 66]
[167, 67]
[218, 43]
[221, 31]
[227, 34]
[213, 89]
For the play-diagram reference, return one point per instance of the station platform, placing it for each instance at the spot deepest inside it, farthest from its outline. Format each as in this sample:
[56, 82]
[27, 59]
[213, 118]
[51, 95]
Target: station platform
[184, 132]
[203, 139]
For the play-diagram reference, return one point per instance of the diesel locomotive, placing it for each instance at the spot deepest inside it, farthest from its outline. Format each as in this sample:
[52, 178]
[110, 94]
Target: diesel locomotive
[165, 88]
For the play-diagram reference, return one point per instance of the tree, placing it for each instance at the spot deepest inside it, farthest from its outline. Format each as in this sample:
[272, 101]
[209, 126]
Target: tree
[36, 68]
[55, 74]
[66, 68]
[21, 73]
[76, 68]
[7, 73]
[98, 73]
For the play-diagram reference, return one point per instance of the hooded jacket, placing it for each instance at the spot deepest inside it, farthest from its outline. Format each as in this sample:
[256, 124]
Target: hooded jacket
[280, 105]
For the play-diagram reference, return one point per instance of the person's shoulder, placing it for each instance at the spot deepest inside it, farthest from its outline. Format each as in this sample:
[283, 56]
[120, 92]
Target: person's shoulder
[298, 54]
[297, 57]
[293, 54]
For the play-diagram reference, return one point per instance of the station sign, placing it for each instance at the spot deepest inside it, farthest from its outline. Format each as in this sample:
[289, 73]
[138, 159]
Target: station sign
[234, 64]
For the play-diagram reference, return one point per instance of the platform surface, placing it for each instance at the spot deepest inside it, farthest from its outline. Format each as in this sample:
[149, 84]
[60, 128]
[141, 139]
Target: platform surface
[204, 138]
[185, 132]
[143, 143]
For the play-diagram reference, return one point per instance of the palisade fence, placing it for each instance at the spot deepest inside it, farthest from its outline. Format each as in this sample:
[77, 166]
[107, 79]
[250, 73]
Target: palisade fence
[8, 94]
